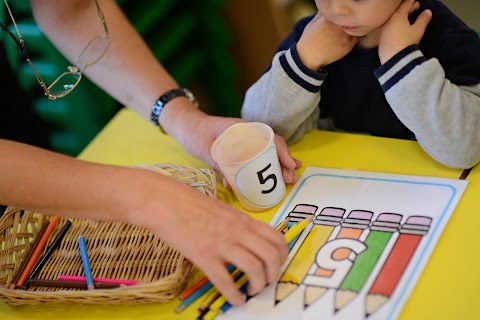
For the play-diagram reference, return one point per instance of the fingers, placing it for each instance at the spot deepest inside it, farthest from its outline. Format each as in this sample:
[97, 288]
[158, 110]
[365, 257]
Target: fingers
[274, 237]
[252, 266]
[414, 7]
[223, 281]
[422, 21]
[260, 256]
[298, 163]
[283, 153]
[289, 175]
[406, 6]
[287, 163]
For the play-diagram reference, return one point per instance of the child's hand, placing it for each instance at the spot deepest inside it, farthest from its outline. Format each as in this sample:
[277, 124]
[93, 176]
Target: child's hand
[398, 33]
[323, 43]
[287, 163]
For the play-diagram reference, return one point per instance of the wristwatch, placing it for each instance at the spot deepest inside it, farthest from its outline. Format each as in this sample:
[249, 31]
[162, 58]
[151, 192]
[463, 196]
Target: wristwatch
[165, 98]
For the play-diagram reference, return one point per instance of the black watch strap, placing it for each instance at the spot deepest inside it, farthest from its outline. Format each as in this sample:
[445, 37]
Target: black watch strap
[165, 98]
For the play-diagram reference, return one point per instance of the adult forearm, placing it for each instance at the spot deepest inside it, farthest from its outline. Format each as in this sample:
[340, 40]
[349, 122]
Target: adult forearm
[47, 182]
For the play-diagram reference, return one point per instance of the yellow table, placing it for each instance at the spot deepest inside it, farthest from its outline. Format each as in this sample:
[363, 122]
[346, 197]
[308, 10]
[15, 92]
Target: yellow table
[448, 288]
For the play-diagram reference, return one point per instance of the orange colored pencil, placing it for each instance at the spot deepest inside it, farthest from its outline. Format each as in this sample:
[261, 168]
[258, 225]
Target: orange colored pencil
[38, 250]
[188, 292]
[29, 254]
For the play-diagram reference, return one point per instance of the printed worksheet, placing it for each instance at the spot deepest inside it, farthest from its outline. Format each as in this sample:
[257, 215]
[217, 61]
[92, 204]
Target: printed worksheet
[368, 243]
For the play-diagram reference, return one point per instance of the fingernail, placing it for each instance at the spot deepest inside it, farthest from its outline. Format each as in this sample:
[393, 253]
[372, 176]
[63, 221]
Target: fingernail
[294, 176]
[293, 164]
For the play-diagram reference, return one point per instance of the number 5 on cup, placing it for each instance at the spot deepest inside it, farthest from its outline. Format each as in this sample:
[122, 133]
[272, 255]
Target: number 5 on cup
[260, 181]
[263, 180]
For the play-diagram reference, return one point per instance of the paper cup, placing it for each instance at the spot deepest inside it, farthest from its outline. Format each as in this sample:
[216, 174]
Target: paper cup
[247, 155]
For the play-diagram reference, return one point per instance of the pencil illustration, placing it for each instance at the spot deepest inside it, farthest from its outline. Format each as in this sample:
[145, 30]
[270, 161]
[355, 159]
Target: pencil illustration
[402, 252]
[382, 229]
[323, 226]
[352, 227]
[299, 213]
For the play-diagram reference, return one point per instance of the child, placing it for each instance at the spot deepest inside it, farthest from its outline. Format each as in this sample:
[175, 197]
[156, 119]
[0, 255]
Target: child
[393, 68]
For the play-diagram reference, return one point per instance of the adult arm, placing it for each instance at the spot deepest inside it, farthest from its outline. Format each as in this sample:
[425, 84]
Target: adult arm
[48, 182]
[130, 73]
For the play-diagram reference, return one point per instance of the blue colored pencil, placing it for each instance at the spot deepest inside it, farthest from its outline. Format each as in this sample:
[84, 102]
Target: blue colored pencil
[227, 304]
[199, 292]
[193, 297]
[86, 263]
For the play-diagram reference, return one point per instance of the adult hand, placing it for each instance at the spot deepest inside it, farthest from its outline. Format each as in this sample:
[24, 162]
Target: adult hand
[209, 128]
[209, 233]
[323, 43]
[397, 33]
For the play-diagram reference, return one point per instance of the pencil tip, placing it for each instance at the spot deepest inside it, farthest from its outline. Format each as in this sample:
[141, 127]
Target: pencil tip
[91, 287]
[179, 309]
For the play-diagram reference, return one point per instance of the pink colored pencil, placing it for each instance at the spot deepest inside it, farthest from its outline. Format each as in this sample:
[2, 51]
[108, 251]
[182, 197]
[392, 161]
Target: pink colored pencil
[105, 280]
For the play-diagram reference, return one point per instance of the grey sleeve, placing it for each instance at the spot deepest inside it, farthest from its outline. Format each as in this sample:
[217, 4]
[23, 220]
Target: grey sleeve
[444, 117]
[286, 97]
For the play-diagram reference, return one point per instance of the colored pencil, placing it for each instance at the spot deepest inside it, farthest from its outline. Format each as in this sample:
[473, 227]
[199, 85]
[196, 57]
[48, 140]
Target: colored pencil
[193, 297]
[209, 298]
[48, 253]
[37, 251]
[298, 213]
[188, 292]
[86, 263]
[216, 305]
[282, 225]
[227, 305]
[103, 280]
[71, 284]
[198, 293]
[296, 229]
[29, 254]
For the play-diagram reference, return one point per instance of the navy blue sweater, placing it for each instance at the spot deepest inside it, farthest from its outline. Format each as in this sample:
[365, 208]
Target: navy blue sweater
[430, 92]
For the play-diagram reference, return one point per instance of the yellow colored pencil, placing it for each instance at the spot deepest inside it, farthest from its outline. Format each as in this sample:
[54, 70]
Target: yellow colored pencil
[211, 314]
[217, 304]
[214, 294]
[282, 225]
[296, 229]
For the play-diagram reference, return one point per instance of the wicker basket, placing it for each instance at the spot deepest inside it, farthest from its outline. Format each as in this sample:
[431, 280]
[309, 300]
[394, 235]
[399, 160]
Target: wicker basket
[116, 250]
